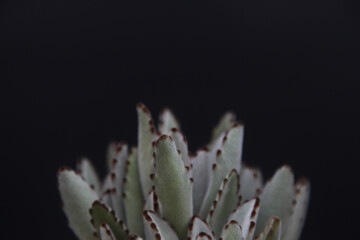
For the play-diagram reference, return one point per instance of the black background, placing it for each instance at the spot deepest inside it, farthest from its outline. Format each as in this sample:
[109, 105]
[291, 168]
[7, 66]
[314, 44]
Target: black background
[73, 71]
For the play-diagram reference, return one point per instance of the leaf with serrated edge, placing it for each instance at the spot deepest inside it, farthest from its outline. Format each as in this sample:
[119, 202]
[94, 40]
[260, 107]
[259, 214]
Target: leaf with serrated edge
[167, 121]
[229, 157]
[246, 216]
[272, 230]
[133, 199]
[105, 233]
[117, 176]
[276, 198]
[251, 183]
[110, 154]
[198, 226]
[201, 174]
[176, 201]
[225, 202]
[146, 135]
[88, 172]
[297, 219]
[106, 191]
[225, 123]
[232, 231]
[152, 202]
[134, 237]
[77, 197]
[181, 144]
[203, 236]
[159, 227]
[101, 214]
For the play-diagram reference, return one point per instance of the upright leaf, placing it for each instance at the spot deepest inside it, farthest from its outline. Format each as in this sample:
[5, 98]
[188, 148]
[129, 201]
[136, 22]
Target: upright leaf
[176, 201]
[77, 197]
[167, 121]
[198, 226]
[101, 214]
[88, 172]
[146, 135]
[300, 204]
[159, 227]
[181, 144]
[105, 233]
[133, 199]
[276, 198]
[272, 230]
[229, 157]
[232, 231]
[225, 202]
[250, 182]
[225, 123]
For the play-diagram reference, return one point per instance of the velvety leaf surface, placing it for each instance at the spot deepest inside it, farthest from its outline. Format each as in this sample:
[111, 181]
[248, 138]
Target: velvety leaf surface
[232, 231]
[225, 202]
[181, 144]
[251, 182]
[146, 135]
[276, 198]
[167, 121]
[272, 230]
[229, 157]
[77, 197]
[88, 172]
[133, 199]
[201, 174]
[176, 200]
[159, 227]
[225, 123]
[105, 233]
[198, 226]
[101, 214]
[246, 216]
[300, 204]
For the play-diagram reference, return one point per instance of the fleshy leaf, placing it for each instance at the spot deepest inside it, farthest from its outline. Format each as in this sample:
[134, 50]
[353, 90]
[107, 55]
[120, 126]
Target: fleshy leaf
[167, 121]
[225, 123]
[117, 176]
[176, 201]
[181, 144]
[77, 197]
[272, 230]
[152, 202]
[198, 226]
[146, 135]
[110, 154]
[246, 216]
[201, 174]
[232, 231]
[159, 227]
[226, 201]
[88, 172]
[105, 233]
[107, 191]
[229, 157]
[250, 182]
[276, 198]
[296, 221]
[134, 237]
[203, 236]
[101, 214]
[133, 199]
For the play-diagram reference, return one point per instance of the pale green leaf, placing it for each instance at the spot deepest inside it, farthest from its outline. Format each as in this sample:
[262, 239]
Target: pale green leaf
[105, 233]
[203, 236]
[276, 198]
[272, 230]
[133, 199]
[152, 202]
[117, 176]
[181, 144]
[225, 202]
[134, 237]
[198, 226]
[201, 173]
[229, 157]
[101, 214]
[77, 197]
[251, 183]
[232, 231]
[88, 172]
[146, 135]
[176, 200]
[297, 219]
[107, 191]
[160, 229]
[225, 123]
[167, 121]
[246, 216]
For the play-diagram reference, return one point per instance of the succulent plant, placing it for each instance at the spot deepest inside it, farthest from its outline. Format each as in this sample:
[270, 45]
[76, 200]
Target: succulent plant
[159, 190]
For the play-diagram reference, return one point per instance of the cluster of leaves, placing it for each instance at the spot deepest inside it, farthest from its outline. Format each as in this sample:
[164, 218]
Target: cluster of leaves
[161, 191]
